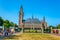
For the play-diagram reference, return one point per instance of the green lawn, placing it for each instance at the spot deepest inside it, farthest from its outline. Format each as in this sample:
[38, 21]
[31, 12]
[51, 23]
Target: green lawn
[33, 36]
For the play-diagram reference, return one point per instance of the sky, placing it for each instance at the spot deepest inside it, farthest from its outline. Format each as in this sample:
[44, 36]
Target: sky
[9, 9]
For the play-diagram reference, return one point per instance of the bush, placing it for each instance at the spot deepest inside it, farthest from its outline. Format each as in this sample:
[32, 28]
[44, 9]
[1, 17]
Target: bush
[19, 29]
[47, 30]
[33, 31]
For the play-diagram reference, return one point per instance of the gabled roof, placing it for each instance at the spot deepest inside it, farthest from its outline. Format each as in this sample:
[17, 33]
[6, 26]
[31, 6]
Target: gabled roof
[34, 20]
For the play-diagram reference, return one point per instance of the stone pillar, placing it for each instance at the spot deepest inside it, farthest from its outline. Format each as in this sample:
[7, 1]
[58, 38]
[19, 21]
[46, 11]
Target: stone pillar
[59, 31]
[33, 26]
[51, 30]
[22, 28]
[42, 30]
[3, 27]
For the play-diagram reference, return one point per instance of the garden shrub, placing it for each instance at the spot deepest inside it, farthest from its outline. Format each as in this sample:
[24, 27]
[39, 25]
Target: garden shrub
[19, 29]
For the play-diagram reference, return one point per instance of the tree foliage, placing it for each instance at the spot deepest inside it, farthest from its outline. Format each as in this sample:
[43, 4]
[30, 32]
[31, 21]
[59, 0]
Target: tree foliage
[58, 26]
[1, 21]
[7, 23]
[52, 27]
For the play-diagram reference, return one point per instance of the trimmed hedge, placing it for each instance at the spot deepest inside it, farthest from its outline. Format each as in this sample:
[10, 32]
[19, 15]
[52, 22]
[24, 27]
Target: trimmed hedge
[19, 29]
[47, 30]
[32, 30]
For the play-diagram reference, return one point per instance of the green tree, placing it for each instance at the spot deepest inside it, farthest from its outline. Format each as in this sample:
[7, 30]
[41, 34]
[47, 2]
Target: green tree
[58, 26]
[11, 24]
[1, 21]
[52, 27]
[6, 21]
[6, 25]
[15, 25]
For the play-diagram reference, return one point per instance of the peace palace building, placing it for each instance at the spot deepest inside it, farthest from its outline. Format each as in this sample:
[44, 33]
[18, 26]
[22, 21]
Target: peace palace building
[31, 23]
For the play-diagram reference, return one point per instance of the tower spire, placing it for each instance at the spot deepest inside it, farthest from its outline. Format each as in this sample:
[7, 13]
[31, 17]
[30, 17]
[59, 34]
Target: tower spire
[20, 16]
[32, 16]
[43, 18]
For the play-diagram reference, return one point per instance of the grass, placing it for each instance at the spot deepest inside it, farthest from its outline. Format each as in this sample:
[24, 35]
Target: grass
[33, 36]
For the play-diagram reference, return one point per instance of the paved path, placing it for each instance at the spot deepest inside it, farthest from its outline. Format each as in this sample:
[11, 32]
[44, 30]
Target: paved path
[56, 34]
[17, 33]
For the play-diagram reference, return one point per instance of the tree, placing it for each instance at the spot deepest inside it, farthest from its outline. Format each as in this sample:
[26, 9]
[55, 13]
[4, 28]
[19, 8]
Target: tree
[58, 26]
[52, 27]
[6, 21]
[15, 25]
[11, 24]
[1, 21]
[6, 25]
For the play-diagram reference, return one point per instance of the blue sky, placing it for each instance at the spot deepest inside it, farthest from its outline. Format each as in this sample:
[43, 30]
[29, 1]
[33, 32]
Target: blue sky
[9, 9]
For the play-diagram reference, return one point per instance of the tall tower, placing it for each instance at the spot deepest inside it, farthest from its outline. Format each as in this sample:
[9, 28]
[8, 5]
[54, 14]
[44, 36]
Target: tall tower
[20, 17]
[44, 19]
[44, 24]
[32, 16]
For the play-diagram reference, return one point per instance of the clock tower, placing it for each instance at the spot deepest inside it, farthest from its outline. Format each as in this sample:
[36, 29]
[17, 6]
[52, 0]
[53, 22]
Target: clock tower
[20, 17]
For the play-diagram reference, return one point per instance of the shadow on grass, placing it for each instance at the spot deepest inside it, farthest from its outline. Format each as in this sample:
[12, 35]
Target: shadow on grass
[11, 37]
